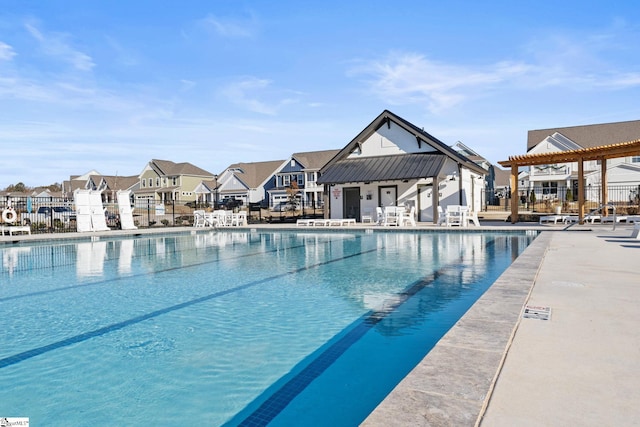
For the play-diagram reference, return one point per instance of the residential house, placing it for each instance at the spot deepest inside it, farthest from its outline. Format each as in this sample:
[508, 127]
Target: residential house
[496, 180]
[108, 185]
[393, 162]
[303, 169]
[248, 182]
[560, 181]
[166, 181]
[86, 181]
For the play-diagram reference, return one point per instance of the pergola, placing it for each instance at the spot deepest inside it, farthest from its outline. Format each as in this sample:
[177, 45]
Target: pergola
[602, 153]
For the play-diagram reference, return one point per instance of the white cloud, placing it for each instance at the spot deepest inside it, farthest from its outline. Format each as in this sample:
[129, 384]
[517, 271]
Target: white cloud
[242, 93]
[410, 78]
[6, 52]
[574, 62]
[249, 93]
[57, 46]
[231, 28]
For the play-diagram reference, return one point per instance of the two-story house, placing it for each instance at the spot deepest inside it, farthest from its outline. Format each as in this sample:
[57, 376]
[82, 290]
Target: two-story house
[303, 169]
[166, 181]
[560, 181]
[247, 182]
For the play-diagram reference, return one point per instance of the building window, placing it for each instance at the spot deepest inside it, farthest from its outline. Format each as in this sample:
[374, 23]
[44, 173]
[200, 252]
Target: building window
[143, 182]
[286, 180]
[293, 163]
[158, 182]
[175, 180]
[311, 177]
[550, 188]
[300, 180]
[635, 159]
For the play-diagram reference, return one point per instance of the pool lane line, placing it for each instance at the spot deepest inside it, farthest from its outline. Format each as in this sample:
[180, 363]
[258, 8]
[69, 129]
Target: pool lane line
[115, 279]
[279, 399]
[20, 357]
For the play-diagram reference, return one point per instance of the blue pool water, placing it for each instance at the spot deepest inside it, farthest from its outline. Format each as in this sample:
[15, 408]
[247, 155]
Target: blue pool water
[231, 328]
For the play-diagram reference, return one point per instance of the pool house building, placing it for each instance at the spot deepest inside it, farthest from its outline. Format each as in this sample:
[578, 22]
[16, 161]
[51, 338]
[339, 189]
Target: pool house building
[393, 162]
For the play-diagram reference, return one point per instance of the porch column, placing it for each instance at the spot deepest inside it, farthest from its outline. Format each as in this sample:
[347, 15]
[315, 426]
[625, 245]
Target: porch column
[435, 197]
[326, 196]
[581, 190]
[604, 190]
[513, 180]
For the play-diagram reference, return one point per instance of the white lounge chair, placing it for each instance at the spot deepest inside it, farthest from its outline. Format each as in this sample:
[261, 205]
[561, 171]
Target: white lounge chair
[83, 210]
[552, 218]
[11, 229]
[125, 211]
[98, 220]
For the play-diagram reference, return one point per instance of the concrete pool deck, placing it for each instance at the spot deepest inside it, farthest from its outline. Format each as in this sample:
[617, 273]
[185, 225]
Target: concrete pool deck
[496, 368]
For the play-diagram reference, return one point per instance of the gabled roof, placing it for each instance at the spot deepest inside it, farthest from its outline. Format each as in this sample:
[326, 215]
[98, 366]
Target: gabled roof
[559, 141]
[622, 149]
[314, 159]
[383, 168]
[421, 136]
[120, 182]
[502, 177]
[169, 168]
[254, 174]
[589, 136]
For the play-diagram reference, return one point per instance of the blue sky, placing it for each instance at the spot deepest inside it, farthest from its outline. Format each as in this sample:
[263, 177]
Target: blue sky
[111, 85]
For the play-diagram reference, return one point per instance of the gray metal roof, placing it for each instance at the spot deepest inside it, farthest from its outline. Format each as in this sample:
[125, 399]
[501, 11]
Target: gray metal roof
[384, 168]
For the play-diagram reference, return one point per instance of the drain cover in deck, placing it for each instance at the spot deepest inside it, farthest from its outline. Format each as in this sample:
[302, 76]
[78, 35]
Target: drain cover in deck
[536, 312]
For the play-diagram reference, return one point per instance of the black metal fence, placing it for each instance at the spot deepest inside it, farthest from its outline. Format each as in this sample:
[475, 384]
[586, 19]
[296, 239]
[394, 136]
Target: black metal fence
[626, 198]
[51, 215]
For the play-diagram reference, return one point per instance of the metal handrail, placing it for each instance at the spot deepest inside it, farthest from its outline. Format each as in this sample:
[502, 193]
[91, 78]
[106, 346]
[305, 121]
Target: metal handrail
[599, 208]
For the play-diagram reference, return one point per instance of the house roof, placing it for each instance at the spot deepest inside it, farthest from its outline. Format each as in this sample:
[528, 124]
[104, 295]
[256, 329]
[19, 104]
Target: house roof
[623, 149]
[254, 174]
[384, 168]
[589, 136]
[120, 182]
[169, 168]
[421, 137]
[502, 177]
[314, 159]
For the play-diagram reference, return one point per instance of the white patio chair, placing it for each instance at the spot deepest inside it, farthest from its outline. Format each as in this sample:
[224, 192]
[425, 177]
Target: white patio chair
[442, 216]
[379, 215]
[367, 217]
[409, 218]
[391, 216]
[239, 219]
[453, 215]
[198, 219]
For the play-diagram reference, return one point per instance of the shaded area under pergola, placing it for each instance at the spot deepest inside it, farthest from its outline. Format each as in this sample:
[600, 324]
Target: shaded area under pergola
[602, 153]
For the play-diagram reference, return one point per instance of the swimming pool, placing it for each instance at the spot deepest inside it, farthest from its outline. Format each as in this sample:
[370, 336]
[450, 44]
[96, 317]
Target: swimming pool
[236, 328]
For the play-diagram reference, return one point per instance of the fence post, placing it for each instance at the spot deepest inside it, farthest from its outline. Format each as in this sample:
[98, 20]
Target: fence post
[148, 212]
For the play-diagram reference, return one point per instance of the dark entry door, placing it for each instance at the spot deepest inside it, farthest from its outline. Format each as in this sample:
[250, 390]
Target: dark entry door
[352, 203]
